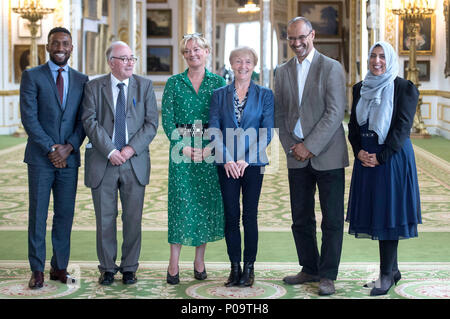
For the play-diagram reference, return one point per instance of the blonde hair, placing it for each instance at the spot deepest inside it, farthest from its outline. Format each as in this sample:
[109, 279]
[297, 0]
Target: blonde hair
[244, 50]
[197, 38]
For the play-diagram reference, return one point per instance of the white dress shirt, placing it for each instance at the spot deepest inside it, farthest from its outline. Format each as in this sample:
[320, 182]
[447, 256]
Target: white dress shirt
[302, 74]
[115, 93]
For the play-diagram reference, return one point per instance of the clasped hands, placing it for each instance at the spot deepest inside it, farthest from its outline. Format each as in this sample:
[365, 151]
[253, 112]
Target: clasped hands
[196, 154]
[235, 169]
[367, 159]
[119, 157]
[300, 152]
[59, 156]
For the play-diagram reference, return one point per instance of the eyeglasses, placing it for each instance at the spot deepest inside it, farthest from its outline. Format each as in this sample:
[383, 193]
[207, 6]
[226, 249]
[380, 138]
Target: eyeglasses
[193, 35]
[125, 60]
[301, 38]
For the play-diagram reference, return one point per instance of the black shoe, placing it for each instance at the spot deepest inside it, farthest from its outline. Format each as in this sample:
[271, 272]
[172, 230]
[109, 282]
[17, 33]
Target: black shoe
[200, 275]
[129, 278]
[106, 278]
[397, 276]
[235, 275]
[173, 280]
[248, 275]
[386, 282]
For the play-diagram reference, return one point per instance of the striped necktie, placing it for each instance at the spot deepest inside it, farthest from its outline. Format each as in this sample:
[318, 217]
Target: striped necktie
[119, 121]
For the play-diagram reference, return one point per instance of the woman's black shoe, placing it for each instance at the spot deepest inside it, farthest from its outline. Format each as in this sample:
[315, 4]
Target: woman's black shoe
[173, 280]
[200, 275]
[235, 275]
[248, 275]
[397, 276]
[386, 282]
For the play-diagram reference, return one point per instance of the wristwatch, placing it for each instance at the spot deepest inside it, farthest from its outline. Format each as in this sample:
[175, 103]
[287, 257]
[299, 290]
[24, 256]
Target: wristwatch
[52, 150]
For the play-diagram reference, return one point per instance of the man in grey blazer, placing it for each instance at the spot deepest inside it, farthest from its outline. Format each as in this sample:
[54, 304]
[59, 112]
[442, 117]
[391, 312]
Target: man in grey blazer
[120, 117]
[310, 103]
[50, 99]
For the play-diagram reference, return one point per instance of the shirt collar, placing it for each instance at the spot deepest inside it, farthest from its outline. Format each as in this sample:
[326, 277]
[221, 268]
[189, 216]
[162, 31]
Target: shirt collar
[308, 58]
[115, 81]
[55, 67]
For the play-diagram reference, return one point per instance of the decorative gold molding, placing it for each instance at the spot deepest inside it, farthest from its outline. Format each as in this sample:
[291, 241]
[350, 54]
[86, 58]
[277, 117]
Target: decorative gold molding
[439, 93]
[9, 93]
[390, 24]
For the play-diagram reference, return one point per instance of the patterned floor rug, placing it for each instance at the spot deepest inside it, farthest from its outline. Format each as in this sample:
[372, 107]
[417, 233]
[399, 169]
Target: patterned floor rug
[419, 281]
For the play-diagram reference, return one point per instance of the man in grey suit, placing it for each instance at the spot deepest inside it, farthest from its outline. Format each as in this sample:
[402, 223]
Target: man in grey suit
[50, 99]
[309, 108]
[120, 117]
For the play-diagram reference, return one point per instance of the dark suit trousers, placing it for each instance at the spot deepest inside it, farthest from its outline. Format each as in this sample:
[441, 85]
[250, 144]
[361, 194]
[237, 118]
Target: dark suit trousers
[251, 184]
[41, 182]
[302, 186]
[118, 179]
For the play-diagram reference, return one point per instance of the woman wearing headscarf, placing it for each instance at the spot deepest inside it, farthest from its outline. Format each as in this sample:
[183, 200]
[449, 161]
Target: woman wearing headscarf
[241, 122]
[195, 208]
[384, 201]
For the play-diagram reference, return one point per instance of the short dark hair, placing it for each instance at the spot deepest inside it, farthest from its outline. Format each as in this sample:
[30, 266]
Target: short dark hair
[58, 29]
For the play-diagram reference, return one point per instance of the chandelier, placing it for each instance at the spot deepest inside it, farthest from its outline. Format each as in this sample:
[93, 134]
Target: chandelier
[249, 7]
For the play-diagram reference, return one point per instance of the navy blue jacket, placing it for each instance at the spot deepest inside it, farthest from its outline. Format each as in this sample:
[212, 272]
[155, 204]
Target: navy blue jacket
[249, 140]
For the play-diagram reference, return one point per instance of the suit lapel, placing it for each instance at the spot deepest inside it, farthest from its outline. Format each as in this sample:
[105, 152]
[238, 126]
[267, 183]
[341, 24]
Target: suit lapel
[131, 95]
[107, 93]
[230, 103]
[49, 76]
[293, 78]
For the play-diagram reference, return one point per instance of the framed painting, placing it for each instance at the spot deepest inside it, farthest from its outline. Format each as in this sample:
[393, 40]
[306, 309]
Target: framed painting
[91, 54]
[424, 37]
[22, 59]
[159, 23]
[325, 17]
[159, 59]
[156, 1]
[92, 9]
[422, 66]
[330, 49]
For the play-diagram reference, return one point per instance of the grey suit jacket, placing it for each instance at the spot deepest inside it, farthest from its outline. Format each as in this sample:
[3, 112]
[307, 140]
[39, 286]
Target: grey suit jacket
[321, 112]
[98, 121]
[43, 118]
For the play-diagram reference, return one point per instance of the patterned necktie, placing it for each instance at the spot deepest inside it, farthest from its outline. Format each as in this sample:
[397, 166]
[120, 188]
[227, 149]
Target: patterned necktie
[60, 85]
[119, 122]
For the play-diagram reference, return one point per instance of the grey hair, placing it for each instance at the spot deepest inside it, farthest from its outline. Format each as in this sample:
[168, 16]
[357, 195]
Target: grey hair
[111, 47]
[244, 50]
[297, 19]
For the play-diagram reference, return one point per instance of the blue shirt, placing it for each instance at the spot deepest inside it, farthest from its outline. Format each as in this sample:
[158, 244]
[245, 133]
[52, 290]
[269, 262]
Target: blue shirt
[65, 74]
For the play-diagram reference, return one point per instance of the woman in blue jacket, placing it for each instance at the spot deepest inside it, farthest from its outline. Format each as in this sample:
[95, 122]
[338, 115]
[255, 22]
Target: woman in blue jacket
[241, 123]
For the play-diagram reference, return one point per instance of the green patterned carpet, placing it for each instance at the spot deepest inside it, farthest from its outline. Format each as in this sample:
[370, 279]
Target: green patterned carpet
[424, 262]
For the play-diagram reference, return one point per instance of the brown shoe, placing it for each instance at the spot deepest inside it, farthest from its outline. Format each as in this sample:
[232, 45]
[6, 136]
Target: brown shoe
[300, 278]
[61, 275]
[36, 280]
[326, 287]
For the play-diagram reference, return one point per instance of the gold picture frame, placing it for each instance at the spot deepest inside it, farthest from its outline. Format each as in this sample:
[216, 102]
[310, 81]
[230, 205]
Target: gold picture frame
[22, 59]
[91, 53]
[424, 40]
[92, 9]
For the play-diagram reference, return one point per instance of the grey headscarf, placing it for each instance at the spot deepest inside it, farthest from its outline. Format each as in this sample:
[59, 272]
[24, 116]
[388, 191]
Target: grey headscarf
[377, 95]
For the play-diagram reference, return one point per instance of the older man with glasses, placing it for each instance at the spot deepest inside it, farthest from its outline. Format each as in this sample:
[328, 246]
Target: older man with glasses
[120, 117]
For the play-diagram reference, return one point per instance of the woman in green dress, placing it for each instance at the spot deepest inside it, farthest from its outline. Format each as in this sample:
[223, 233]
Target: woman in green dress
[195, 207]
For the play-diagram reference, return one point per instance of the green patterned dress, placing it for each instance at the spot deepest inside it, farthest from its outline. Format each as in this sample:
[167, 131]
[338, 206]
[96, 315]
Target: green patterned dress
[195, 207]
